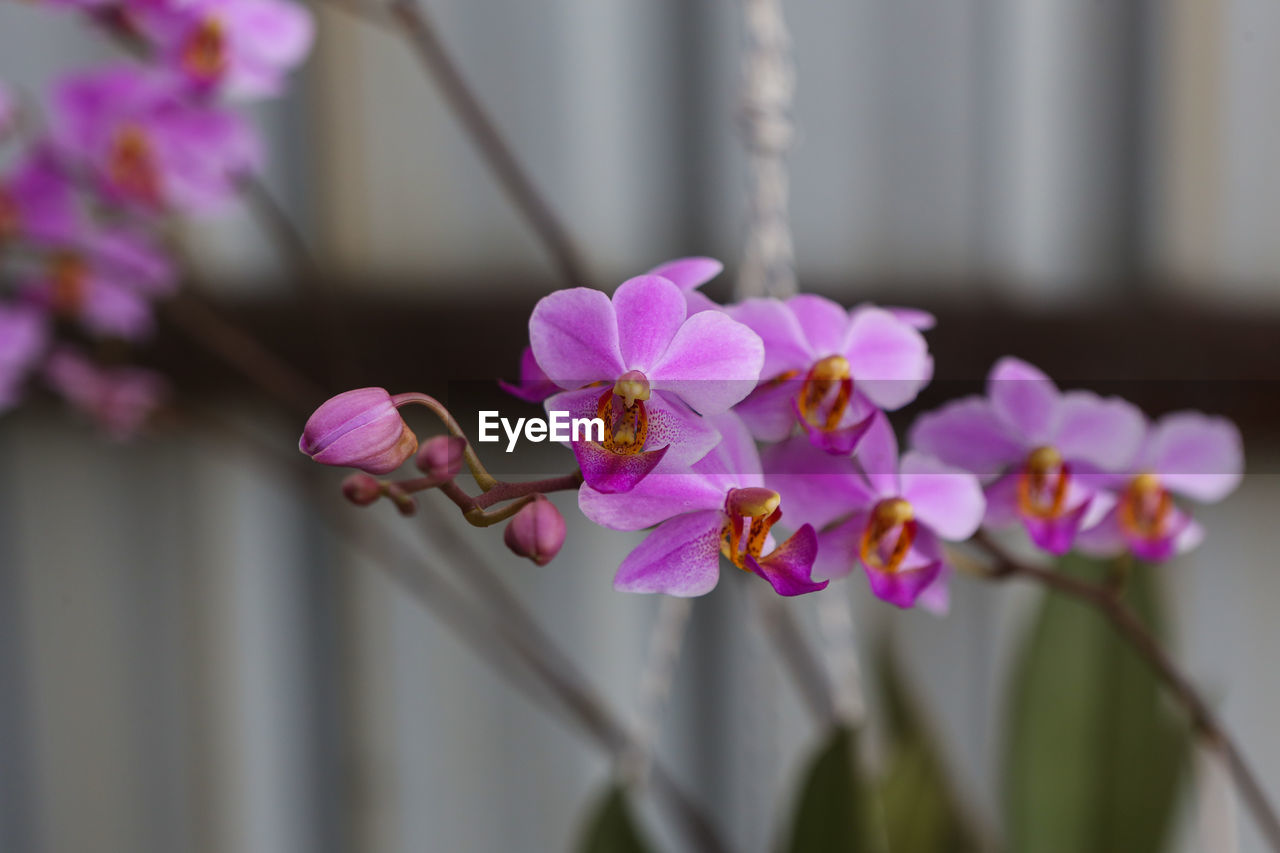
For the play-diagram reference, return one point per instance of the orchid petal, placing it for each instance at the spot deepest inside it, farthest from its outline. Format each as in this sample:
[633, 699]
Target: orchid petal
[913, 317]
[614, 473]
[712, 363]
[534, 385]
[936, 597]
[1023, 397]
[649, 311]
[838, 547]
[668, 491]
[814, 485]
[1197, 455]
[1190, 537]
[968, 434]
[675, 425]
[689, 273]
[877, 456]
[681, 557]
[946, 499]
[889, 359]
[789, 568]
[1104, 539]
[735, 461]
[823, 322]
[785, 346]
[574, 336]
[840, 441]
[904, 587]
[1106, 433]
[1057, 534]
[696, 302]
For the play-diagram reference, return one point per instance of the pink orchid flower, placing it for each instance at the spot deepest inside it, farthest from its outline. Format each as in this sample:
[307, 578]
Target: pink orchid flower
[719, 507]
[830, 369]
[1045, 454]
[645, 367]
[885, 515]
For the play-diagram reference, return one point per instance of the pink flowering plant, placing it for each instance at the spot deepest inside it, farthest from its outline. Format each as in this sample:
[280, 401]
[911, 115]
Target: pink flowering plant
[772, 440]
[716, 422]
[101, 169]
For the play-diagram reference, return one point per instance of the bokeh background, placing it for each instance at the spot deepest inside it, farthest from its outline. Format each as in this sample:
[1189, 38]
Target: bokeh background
[191, 660]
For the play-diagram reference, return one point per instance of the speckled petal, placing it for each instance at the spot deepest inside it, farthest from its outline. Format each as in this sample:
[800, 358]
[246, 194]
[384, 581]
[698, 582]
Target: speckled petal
[681, 558]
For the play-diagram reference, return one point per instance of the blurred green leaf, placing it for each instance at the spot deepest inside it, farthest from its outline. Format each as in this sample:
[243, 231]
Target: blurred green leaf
[1094, 756]
[835, 812]
[610, 827]
[921, 811]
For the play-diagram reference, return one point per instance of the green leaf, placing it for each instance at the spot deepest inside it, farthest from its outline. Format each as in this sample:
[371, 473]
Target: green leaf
[610, 827]
[834, 812]
[1094, 755]
[921, 811]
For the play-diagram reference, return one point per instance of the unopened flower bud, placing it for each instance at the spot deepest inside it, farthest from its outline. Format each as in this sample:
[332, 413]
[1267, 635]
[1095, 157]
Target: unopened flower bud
[359, 429]
[361, 489]
[440, 457]
[537, 531]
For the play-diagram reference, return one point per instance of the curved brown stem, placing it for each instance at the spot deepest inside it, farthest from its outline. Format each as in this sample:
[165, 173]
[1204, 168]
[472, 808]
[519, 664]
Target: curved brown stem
[1107, 601]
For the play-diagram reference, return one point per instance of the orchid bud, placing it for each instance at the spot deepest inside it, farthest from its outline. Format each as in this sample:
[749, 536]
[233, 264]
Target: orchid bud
[537, 531]
[359, 429]
[361, 489]
[441, 456]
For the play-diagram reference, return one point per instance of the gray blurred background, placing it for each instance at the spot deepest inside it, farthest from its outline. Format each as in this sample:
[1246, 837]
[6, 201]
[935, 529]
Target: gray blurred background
[189, 660]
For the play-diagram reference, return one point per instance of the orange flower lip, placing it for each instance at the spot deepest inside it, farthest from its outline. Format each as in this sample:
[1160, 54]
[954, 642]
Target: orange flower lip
[826, 392]
[739, 540]
[68, 275]
[889, 515]
[131, 165]
[205, 54]
[1043, 484]
[624, 414]
[1145, 507]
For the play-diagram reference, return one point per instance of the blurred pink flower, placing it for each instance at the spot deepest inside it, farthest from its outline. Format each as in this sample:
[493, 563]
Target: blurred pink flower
[241, 48]
[146, 145]
[120, 399]
[24, 336]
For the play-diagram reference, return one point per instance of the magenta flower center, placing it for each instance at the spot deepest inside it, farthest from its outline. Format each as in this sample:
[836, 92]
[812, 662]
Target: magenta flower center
[623, 412]
[204, 56]
[9, 215]
[131, 165]
[1043, 484]
[749, 515]
[1145, 507]
[888, 536]
[826, 392]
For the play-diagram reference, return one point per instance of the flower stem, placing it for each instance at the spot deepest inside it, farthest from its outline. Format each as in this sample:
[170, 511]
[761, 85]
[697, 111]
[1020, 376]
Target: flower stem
[420, 32]
[800, 660]
[1129, 626]
[483, 477]
[492, 621]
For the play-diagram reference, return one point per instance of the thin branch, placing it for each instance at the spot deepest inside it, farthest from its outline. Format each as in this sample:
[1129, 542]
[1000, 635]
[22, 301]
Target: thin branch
[494, 623]
[242, 352]
[316, 293]
[528, 639]
[799, 659]
[665, 643]
[420, 32]
[1127, 623]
